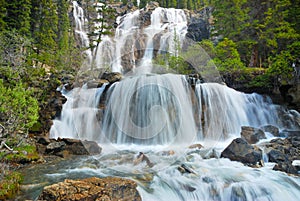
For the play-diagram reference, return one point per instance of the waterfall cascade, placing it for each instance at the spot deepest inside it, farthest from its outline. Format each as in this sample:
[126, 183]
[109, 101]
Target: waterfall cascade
[150, 111]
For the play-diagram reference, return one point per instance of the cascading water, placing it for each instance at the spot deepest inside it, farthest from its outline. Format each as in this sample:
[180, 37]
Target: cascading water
[81, 29]
[161, 115]
[132, 46]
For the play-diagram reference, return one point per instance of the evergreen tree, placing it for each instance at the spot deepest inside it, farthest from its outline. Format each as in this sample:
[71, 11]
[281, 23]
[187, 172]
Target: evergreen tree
[102, 25]
[46, 33]
[18, 15]
[2, 14]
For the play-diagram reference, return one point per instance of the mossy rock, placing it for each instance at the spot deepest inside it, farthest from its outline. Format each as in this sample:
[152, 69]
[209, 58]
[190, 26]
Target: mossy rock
[23, 154]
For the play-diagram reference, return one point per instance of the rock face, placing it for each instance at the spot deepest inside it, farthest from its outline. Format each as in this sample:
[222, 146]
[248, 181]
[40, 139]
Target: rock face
[283, 152]
[199, 24]
[252, 135]
[240, 150]
[91, 189]
[65, 147]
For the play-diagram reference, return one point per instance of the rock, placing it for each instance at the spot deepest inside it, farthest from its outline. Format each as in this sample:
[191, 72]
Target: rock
[277, 156]
[43, 140]
[285, 167]
[284, 152]
[143, 158]
[240, 150]
[111, 77]
[91, 189]
[185, 169]
[65, 147]
[78, 147]
[271, 129]
[151, 5]
[198, 30]
[55, 147]
[195, 146]
[252, 135]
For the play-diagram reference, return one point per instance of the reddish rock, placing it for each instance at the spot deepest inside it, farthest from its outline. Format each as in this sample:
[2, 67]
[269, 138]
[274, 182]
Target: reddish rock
[91, 189]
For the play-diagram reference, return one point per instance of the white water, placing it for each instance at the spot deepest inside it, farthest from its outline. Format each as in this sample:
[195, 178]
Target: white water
[162, 109]
[81, 30]
[132, 46]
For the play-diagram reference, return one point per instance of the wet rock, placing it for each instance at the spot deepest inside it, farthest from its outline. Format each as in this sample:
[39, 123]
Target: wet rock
[55, 147]
[252, 135]
[111, 77]
[271, 129]
[284, 152]
[285, 167]
[277, 156]
[195, 146]
[151, 5]
[143, 158]
[91, 189]
[66, 147]
[240, 150]
[185, 169]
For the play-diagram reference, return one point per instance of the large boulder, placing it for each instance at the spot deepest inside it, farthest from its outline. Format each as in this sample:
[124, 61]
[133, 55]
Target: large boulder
[252, 135]
[90, 189]
[240, 150]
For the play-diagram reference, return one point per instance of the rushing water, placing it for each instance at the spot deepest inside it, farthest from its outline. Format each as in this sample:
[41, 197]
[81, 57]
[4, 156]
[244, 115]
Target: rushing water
[161, 115]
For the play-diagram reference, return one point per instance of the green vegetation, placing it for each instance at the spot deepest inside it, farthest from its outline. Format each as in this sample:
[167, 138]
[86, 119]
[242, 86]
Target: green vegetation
[9, 185]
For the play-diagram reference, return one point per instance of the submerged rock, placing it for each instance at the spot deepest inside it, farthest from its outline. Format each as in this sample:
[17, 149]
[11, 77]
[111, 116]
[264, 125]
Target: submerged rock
[105, 189]
[240, 150]
[252, 135]
[143, 158]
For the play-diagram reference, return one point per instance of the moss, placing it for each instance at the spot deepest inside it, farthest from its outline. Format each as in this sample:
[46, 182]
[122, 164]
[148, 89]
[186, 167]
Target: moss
[9, 186]
[25, 154]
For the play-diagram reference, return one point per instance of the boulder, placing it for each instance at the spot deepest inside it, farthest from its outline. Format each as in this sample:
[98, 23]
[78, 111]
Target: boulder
[91, 189]
[55, 147]
[285, 167]
[283, 152]
[65, 147]
[271, 129]
[240, 150]
[252, 135]
[111, 77]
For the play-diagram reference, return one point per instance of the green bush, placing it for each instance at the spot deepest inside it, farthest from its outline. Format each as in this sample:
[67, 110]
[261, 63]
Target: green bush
[18, 109]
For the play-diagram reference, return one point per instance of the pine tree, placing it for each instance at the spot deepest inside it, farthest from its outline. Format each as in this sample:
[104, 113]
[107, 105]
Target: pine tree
[2, 14]
[18, 15]
[46, 32]
[102, 25]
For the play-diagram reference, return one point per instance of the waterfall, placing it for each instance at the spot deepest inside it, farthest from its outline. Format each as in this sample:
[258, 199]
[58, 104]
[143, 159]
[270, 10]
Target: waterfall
[162, 114]
[150, 109]
[79, 115]
[134, 43]
[81, 30]
[163, 109]
[171, 26]
[224, 110]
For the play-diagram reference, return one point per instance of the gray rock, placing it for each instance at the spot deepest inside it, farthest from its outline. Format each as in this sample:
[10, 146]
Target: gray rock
[252, 135]
[271, 129]
[240, 150]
